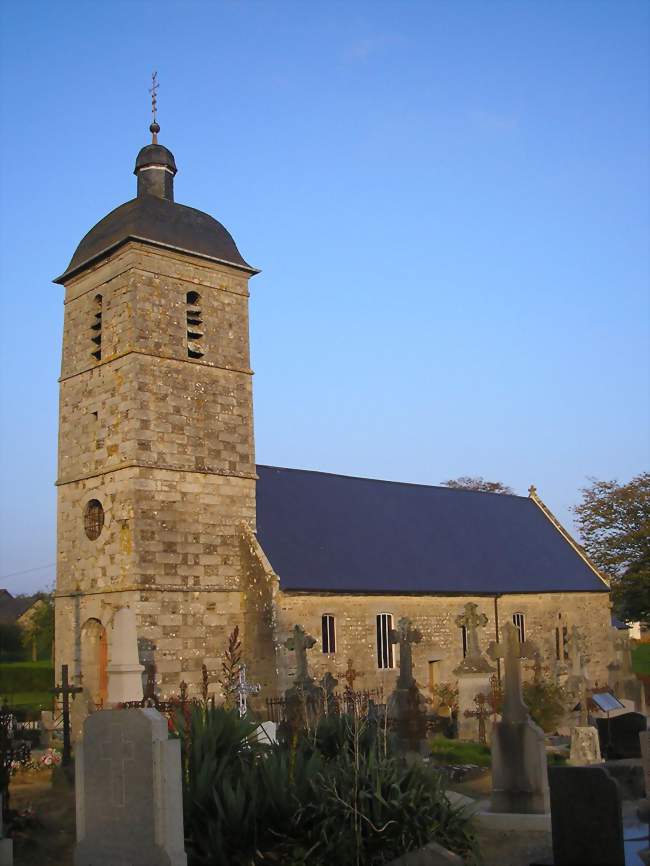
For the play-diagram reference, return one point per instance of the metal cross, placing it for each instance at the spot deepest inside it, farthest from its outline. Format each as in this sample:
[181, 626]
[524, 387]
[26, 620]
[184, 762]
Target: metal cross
[481, 714]
[512, 651]
[300, 642]
[243, 689]
[472, 620]
[64, 691]
[153, 90]
[350, 676]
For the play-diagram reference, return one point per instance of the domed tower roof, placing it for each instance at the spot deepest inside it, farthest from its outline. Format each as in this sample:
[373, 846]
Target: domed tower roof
[154, 218]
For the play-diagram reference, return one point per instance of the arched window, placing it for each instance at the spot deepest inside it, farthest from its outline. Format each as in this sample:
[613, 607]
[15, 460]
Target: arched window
[329, 633]
[96, 329]
[384, 645]
[194, 325]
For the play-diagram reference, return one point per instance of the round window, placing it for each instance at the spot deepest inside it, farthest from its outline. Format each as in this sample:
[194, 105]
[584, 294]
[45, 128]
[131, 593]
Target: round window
[93, 519]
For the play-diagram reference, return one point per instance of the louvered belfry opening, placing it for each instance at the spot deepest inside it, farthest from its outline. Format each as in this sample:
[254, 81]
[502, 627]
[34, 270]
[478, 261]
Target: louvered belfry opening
[194, 325]
[96, 329]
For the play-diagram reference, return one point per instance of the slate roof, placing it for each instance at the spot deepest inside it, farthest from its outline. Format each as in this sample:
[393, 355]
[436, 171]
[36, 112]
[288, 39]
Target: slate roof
[335, 533]
[160, 222]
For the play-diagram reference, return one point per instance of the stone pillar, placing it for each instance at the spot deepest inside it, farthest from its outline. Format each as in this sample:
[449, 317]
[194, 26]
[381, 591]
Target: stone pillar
[128, 789]
[124, 668]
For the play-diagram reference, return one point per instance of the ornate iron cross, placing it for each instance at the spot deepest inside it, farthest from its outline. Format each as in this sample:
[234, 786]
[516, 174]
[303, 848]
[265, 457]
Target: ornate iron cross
[64, 691]
[243, 689]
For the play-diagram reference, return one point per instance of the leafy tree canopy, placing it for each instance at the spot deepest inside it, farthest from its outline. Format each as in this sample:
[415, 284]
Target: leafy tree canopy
[467, 482]
[614, 524]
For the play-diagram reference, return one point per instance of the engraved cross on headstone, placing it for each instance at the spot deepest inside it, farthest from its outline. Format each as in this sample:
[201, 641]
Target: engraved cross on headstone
[243, 689]
[300, 642]
[472, 620]
[405, 635]
[118, 752]
[512, 651]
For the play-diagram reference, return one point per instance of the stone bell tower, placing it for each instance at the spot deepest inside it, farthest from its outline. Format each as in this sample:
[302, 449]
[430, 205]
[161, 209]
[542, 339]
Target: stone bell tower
[156, 470]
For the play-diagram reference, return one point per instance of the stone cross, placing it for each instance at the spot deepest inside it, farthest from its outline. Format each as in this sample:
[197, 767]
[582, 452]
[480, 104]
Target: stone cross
[300, 642]
[512, 651]
[350, 676]
[243, 689]
[329, 683]
[64, 691]
[575, 643]
[405, 635]
[472, 620]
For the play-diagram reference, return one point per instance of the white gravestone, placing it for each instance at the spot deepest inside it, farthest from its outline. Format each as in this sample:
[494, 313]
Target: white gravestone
[124, 668]
[519, 767]
[128, 788]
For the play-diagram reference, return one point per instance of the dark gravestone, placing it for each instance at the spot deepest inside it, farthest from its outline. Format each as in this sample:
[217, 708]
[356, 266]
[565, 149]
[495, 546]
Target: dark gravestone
[586, 817]
[619, 737]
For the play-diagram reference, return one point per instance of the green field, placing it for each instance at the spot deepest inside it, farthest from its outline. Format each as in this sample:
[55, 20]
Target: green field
[27, 700]
[641, 658]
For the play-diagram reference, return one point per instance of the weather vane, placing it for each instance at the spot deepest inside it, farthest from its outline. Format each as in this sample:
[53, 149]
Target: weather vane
[153, 90]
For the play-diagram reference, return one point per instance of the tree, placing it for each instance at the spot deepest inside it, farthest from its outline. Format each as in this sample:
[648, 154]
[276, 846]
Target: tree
[38, 631]
[467, 482]
[614, 524]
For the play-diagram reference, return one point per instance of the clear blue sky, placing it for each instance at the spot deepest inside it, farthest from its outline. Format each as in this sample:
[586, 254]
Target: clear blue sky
[448, 201]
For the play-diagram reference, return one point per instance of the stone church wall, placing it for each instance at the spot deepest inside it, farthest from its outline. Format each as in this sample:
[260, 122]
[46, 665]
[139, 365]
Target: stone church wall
[355, 617]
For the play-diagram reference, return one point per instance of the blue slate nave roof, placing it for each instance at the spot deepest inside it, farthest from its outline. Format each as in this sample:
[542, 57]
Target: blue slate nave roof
[335, 533]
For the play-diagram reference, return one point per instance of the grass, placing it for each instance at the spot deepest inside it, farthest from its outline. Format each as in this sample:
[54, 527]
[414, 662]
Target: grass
[28, 700]
[460, 752]
[641, 658]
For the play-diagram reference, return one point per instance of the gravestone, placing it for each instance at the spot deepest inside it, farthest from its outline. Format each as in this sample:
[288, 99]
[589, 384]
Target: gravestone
[586, 817]
[304, 697]
[328, 684]
[519, 769]
[621, 677]
[6, 845]
[619, 736]
[473, 672]
[406, 706]
[124, 668]
[585, 747]
[128, 790]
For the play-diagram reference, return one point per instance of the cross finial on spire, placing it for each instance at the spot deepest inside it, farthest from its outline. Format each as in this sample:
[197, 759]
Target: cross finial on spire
[153, 90]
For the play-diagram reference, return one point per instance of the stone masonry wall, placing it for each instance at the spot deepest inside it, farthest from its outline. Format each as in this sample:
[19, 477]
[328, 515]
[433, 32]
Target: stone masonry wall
[355, 618]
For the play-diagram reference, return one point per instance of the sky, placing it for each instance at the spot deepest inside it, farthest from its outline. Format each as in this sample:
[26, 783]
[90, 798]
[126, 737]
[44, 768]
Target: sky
[448, 202]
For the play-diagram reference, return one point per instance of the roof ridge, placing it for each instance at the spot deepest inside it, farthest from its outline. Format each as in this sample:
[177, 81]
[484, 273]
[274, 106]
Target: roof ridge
[388, 481]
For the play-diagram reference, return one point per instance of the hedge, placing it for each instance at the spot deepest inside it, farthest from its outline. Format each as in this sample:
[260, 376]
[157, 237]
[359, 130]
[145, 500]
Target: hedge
[26, 677]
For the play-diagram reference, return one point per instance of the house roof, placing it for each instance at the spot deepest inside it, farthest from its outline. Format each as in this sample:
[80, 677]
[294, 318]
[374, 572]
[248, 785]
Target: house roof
[336, 533]
[11, 609]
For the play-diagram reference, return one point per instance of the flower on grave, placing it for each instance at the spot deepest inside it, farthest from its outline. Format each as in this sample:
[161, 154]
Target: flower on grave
[51, 758]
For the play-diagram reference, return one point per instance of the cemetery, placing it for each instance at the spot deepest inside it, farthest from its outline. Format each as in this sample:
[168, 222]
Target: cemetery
[332, 774]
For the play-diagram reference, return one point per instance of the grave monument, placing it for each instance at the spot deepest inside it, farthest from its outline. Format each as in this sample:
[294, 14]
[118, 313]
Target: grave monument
[128, 791]
[473, 672]
[406, 705]
[124, 668]
[519, 770]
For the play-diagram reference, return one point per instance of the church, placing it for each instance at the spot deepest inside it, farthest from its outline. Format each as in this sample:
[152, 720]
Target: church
[163, 510]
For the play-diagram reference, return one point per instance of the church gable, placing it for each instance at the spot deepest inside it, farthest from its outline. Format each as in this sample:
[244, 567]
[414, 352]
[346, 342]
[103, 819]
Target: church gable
[334, 533]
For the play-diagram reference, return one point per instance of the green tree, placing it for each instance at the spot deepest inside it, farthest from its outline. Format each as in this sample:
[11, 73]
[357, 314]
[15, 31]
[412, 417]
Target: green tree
[614, 524]
[467, 482]
[38, 632]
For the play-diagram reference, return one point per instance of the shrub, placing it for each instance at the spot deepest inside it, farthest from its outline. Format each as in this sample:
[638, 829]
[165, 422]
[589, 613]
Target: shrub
[460, 752]
[330, 796]
[26, 677]
[546, 702]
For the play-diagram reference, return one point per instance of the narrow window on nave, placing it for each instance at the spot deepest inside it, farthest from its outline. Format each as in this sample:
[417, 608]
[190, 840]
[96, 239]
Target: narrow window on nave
[384, 645]
[463, 637]
[518, 620]
[194, 325]
[96, 329]
[329, 633]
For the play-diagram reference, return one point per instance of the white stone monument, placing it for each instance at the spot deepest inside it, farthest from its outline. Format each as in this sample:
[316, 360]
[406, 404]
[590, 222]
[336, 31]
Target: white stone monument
[519, 767]
[128, 788]
[124, 668]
